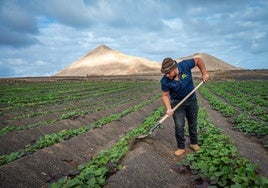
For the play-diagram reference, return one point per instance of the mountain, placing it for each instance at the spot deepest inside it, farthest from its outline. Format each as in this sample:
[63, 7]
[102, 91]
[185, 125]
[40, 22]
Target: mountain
[212, 63]
[106, 61]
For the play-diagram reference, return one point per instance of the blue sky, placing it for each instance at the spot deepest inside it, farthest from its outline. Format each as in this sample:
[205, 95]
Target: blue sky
[41, 37]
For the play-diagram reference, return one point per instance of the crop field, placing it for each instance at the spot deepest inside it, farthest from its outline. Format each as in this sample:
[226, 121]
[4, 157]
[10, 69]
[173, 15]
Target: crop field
[246, 103]
[75, 133]
[38, 111]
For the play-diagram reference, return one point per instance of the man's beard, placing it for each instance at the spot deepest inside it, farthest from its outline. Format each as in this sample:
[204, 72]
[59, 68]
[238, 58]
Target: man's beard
[173, 78]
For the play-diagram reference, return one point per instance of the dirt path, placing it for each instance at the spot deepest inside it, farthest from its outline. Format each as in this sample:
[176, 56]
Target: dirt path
[248, 147]
[51, 163]
[150, 162]
[147, 164]
[19, 139]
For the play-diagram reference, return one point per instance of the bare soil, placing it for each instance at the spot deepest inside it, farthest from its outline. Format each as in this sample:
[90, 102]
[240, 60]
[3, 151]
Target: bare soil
[248, 146]
[149, 163]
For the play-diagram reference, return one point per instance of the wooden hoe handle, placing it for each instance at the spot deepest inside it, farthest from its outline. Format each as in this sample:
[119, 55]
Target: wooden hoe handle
[180, 103]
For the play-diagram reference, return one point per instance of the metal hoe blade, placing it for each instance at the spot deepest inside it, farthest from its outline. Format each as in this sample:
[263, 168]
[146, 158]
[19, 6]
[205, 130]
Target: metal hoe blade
[142, 137]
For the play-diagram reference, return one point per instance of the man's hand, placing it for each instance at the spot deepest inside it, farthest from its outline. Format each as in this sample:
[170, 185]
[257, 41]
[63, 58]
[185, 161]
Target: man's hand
[166, 101]
[170, 112]
[205, 77]
[201, 65]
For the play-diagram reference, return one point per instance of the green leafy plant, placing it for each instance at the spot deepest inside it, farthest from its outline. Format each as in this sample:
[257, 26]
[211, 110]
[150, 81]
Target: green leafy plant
[95, 172]
[217, 104]
[245, 124]
[51, 139]
[219, 162]
[84, 94]
[240, 101]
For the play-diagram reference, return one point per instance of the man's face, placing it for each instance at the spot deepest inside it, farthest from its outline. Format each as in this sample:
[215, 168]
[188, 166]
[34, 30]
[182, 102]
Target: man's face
[172, 74]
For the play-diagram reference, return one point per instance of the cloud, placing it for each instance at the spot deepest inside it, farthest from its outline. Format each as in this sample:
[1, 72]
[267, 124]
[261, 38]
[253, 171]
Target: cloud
[16, 39]
[259, 43]
[65, 11]
[5, 70]
[18, 67]
[49, 35]
[17, 25]
[40, 63]
[16, 18]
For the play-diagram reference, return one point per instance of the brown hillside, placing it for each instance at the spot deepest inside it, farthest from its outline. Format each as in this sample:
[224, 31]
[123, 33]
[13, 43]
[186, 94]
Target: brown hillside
[105, 61]
[108, 62]
[212, 63]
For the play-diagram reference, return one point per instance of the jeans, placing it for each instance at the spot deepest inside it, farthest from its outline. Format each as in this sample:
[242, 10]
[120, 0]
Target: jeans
[188, 109]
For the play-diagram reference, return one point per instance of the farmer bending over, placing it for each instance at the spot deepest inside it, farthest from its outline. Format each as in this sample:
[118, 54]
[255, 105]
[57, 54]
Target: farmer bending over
[176, 83]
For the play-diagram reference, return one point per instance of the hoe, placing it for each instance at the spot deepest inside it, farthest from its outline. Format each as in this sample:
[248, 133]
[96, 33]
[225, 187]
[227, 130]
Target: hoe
[141, 137]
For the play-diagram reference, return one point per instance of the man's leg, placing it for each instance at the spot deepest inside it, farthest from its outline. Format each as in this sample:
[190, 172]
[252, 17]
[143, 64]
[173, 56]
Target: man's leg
[191, 115]
[179, 121]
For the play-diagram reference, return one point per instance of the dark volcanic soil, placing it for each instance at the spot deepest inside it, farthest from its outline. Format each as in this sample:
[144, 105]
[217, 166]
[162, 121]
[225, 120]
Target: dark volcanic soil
[249, 147]
[148, 164]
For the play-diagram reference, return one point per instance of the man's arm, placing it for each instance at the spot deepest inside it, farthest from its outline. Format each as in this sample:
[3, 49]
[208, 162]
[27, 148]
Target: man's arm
[166, 101]
[201, 65]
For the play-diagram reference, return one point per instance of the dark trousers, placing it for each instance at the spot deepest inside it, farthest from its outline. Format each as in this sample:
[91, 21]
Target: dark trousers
[188, 109]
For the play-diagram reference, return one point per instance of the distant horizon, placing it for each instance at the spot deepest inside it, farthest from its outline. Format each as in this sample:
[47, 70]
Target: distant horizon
[53, 76]
[40, 38]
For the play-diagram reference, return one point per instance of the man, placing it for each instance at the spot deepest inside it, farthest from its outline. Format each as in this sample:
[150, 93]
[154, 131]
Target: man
[176, 83]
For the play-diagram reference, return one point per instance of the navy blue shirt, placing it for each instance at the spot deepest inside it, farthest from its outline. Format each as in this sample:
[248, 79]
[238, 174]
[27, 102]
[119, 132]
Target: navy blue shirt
[178, 89]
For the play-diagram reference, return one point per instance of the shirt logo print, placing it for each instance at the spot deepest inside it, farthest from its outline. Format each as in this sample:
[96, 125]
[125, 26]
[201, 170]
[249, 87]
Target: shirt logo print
[183, 76]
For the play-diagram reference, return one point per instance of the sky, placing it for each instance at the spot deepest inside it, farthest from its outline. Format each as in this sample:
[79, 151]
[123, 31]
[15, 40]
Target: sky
[41, 37]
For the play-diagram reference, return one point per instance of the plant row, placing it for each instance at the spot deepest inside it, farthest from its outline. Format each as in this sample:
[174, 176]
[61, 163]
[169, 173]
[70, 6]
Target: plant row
[76, 111]
[95, 172]
[34, 97]
[217, 163]
[247, 99]
[217, 104]
[51, 139]
[247, 117]
[68, 115]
